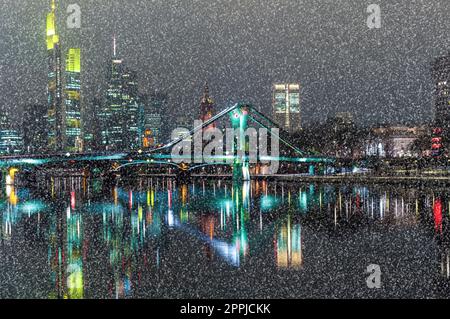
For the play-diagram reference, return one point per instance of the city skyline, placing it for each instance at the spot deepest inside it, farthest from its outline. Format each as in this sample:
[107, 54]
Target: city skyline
[346, 73]
[240, 149]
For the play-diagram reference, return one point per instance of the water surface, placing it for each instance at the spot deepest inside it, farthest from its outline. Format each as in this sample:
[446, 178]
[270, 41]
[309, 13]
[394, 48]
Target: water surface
[158, 238]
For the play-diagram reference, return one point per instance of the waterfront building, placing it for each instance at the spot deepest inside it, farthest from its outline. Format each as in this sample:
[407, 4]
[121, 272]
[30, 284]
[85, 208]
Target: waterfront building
[34, 128]
[151, 120]
[286, 106]
[394, 141]
[441, 132]
[55, 109]
[10, 140]
[119, 115]
[72, 95]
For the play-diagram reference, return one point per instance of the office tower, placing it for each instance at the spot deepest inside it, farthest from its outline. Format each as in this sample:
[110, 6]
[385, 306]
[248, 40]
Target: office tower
[55, 108]
[10, 140]
[34, 127]
[206, 107]
[72, 95]
[92, 128]
[112, 113]
[286, 106]
[159, 106]
[120, 113]
[130, 97]
[441, 77]
[151, 121]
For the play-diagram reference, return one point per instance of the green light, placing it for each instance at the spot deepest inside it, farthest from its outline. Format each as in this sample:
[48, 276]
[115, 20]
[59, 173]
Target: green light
[268, 202]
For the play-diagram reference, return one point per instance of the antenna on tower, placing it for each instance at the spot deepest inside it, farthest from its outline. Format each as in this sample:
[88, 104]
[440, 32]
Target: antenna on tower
[114, 45]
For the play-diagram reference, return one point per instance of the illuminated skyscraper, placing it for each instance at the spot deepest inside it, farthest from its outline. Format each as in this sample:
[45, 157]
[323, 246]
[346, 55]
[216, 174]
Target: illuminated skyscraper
[55, 110]
[34, 128]
[92, 137]
[441, 77]
[10, 140]
[111, 112]
[130, 97]
[151, 119]
[286, 106]
[72, 94]
[120, 113]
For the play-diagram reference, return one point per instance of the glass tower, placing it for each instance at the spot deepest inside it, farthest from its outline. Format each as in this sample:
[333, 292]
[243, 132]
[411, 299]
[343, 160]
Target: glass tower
[73, 101]
[119, 116]
[286, 106]
[55, 111]
[441, 131]
[10, 140]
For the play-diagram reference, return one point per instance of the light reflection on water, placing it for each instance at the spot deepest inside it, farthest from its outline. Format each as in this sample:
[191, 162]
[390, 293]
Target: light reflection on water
[158, 238]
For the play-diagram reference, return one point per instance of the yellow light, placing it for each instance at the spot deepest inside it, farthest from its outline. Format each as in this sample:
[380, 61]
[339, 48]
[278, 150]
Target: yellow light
[52, 37]
[73, 60]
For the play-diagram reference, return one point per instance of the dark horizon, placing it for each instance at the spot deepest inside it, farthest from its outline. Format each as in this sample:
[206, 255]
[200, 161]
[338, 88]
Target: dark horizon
[241, 49]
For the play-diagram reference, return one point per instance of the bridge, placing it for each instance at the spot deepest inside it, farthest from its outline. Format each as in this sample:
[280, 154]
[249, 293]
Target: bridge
[163, 160]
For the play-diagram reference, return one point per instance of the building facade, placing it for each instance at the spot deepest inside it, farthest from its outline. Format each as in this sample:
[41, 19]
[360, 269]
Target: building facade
[34, 129]
[72, 98]
[151, 120]
[55, 107]
[394, 141]
[441, 132]
[206, 107]
[10, 140]
[286, 106]
[119, 114]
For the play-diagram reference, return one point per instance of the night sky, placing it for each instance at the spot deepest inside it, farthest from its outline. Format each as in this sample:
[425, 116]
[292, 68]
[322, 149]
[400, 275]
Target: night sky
[241, 47]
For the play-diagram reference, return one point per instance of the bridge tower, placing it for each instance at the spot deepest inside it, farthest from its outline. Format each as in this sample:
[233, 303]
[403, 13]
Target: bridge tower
[239, 118]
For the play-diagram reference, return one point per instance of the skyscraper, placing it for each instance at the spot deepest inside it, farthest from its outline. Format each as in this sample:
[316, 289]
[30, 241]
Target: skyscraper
[10, 140]
[151, 120]
[120, 113]
[72, 94]
[111, 115]
[34, 128]
[286, 106]
[92, 128]
[441, 77]
[130, 100]
[55, 108]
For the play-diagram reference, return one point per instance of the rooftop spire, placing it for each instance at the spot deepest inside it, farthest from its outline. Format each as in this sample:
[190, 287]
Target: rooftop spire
[206, 91]
[114, 45]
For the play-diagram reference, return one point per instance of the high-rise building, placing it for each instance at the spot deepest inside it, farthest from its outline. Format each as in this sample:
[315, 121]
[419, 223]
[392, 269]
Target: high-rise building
[130, 96]
[286, 106]
[92, 128]
[55, 108]
[34, 130]
[10, 140]
[72, 95]
[120, 112]
[150, 120]
[441, 132]
[159, 106]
